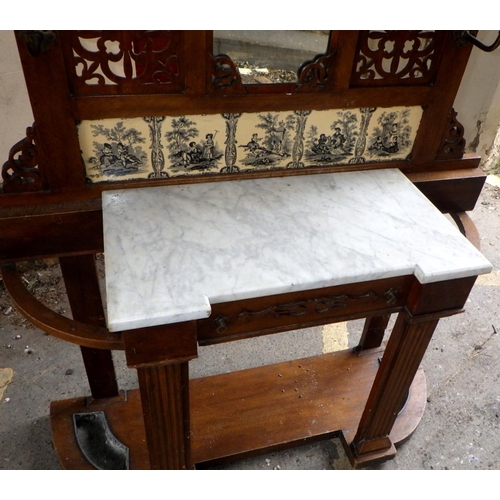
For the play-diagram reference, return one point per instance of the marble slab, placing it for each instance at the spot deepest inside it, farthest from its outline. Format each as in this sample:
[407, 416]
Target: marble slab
[172, 251]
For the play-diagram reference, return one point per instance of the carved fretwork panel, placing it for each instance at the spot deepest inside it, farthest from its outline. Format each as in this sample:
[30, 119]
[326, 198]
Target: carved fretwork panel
[403, 57]
[454, 141]
[21, 174]
[118, 62]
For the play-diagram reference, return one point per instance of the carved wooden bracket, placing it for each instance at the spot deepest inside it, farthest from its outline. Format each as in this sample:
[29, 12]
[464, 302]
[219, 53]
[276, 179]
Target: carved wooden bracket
[21, 174]
[225, 75]
[454, 143]
[37, 41]
[317, 74]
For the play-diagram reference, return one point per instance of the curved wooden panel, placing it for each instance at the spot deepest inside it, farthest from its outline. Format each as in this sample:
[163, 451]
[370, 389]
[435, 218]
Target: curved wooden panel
[467, 228]
[53, 323]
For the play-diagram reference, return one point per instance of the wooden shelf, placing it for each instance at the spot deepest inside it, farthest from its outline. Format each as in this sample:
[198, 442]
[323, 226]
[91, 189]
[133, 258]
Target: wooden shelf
[252, 411]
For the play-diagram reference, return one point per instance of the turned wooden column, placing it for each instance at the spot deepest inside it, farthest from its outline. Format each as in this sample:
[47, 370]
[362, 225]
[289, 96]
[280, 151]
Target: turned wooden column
[161, 354]
[405, 349]
[84, 295]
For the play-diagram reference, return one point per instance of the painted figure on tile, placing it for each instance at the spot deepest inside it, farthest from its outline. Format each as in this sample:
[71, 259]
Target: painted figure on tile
[107, 159]
[320, 146]
[335, 148]
[208, 149]
[253, 145]
[377, 145]
[192, 155]
[127, 160]
[185, 152]
[337, 139]
[392, 135]
[115, 157]
[209, 144]
[276, 144]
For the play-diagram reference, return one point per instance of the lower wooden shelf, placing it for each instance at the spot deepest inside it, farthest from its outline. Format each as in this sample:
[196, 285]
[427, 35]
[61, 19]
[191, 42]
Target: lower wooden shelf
[252, 411]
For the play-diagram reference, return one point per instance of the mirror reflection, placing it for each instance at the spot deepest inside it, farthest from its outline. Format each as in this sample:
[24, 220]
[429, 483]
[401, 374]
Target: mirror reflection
[270, 56]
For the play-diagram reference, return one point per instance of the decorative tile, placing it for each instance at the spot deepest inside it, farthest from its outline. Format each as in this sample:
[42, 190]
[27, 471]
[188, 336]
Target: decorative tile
[160, 147]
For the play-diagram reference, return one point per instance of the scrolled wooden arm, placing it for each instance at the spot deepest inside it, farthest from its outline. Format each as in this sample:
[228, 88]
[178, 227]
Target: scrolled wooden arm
[53, 323]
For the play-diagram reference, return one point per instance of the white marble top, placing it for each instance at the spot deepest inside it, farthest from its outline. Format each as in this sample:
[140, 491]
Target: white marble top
[171, 251]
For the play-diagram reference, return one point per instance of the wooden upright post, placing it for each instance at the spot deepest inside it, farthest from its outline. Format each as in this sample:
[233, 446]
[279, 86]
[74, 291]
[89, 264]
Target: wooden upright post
[82, 286]
[160, 355]
[406, 347]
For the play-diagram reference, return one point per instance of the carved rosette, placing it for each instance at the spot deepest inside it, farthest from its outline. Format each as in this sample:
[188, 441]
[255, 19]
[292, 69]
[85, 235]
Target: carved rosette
[359, 149]
[298, 140]
[226, 78]
[157, 157]
[230, 153]
[454, 143]
[21, 174]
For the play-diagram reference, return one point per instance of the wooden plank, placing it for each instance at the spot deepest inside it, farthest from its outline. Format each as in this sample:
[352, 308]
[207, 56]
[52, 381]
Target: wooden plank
[451, 191]
[252, 411]
[132, 106]
[55, 231]
[276, 313]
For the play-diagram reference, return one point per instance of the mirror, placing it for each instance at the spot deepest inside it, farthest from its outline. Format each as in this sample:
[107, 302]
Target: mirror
[270, 56]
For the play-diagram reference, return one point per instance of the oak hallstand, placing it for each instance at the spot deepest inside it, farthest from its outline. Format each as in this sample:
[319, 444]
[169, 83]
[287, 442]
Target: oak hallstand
[120, 113]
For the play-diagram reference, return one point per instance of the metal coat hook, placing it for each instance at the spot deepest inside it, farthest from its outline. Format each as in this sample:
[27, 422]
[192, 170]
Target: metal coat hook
[464, 37]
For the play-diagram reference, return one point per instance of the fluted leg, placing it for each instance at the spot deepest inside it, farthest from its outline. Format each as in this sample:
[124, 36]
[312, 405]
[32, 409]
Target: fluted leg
[165, 403]
[404, 352]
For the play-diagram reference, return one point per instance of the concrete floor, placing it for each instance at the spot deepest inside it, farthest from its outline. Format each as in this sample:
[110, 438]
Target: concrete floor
[460, 428]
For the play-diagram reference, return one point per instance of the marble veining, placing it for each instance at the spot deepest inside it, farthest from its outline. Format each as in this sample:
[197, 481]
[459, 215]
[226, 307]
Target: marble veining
[172, 251]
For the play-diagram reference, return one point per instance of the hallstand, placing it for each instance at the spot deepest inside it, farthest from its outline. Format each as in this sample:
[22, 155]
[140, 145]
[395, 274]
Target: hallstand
[233, 235]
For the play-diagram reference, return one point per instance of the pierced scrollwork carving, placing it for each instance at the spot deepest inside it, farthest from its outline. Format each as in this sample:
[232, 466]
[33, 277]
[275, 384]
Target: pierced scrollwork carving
[140, 61]
[316, 74]
[396, 57]
[454, 142]
[21, 174]
[225, 76]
